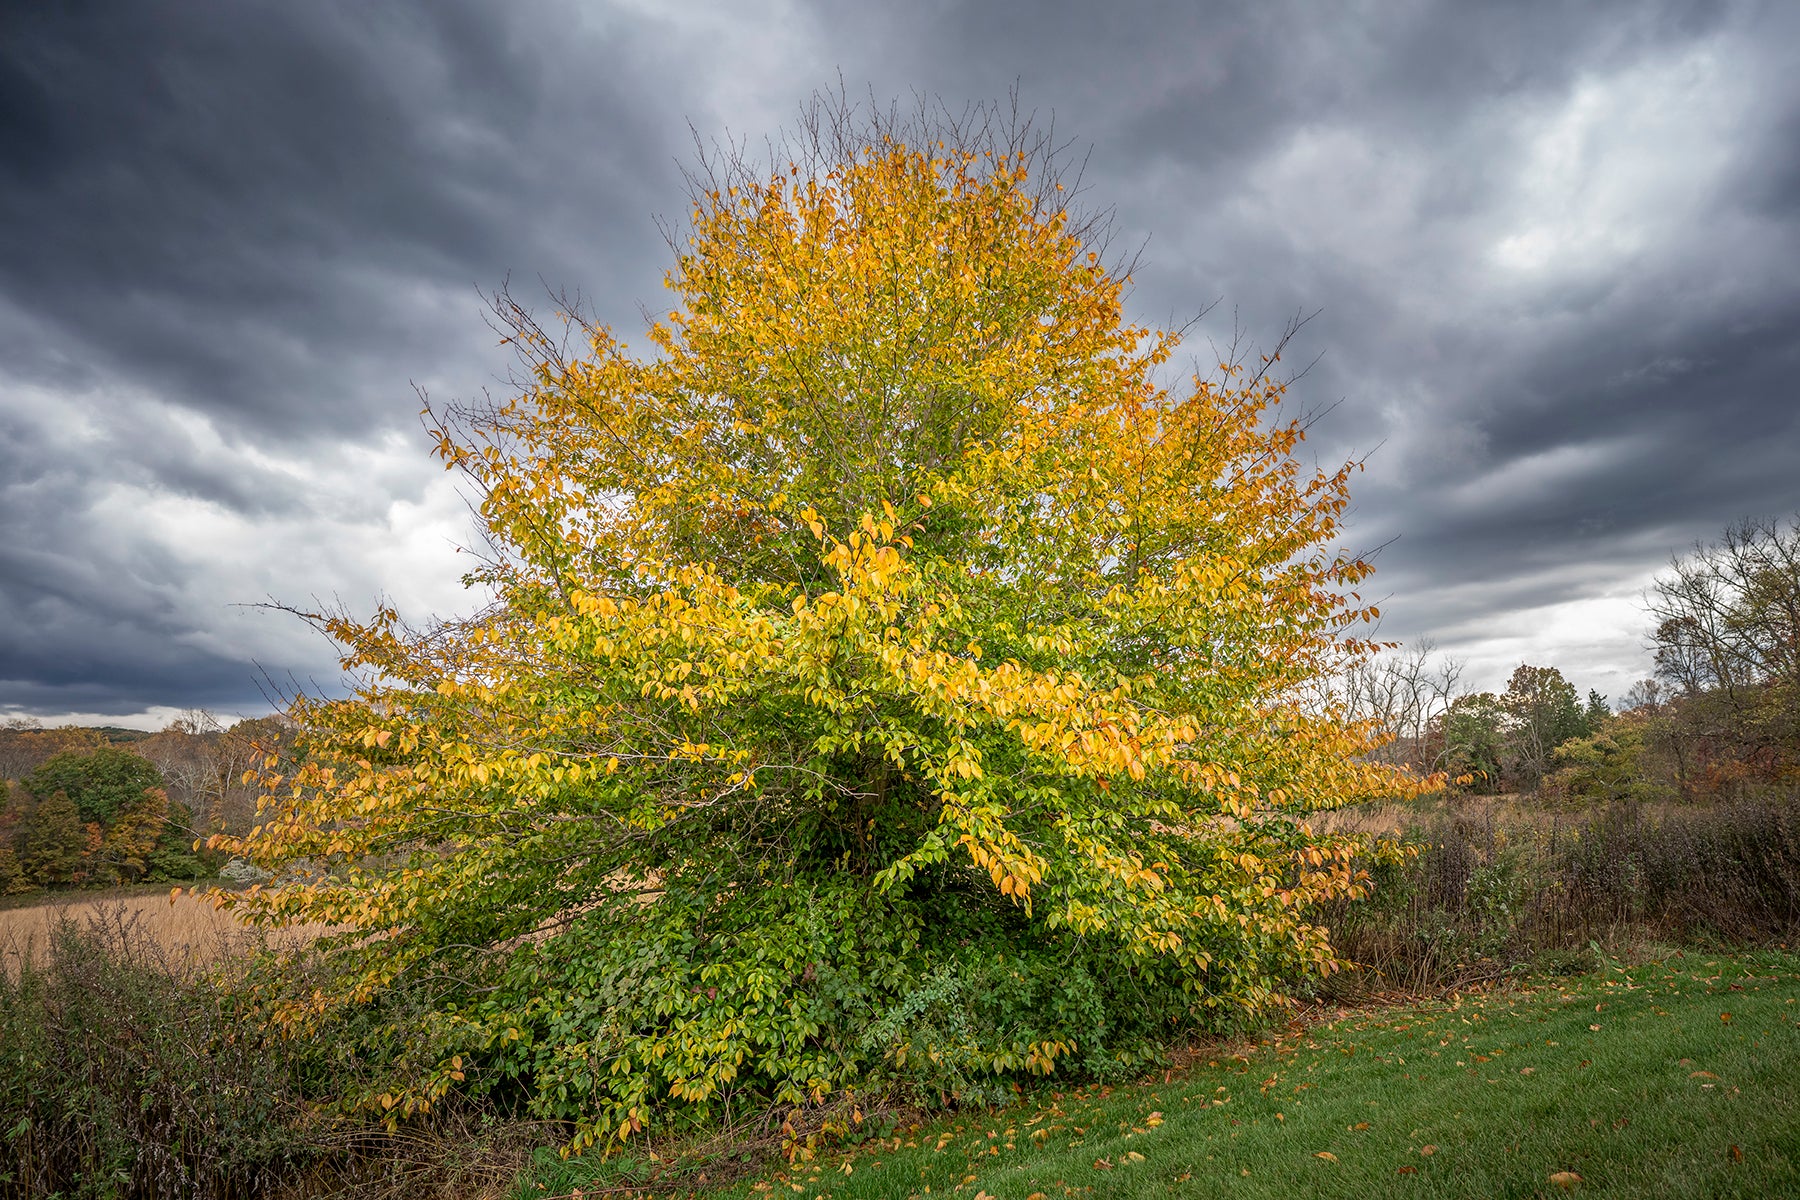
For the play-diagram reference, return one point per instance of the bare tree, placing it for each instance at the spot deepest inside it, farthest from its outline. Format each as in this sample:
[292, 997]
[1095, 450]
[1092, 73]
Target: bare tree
[1405, 692]
[1728, 613]
[1727, 622]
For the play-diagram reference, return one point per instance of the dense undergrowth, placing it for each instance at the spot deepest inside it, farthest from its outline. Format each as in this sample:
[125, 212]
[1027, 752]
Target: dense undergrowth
[1496, 888]
[128, 1071]
[125, 1072]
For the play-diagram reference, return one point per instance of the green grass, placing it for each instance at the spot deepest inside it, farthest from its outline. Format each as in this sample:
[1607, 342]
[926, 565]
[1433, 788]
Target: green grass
[1676, 1078]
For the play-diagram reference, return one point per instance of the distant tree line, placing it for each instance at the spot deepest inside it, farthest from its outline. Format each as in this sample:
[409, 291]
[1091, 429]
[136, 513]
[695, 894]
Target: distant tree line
[1720, 718]
[91, 807]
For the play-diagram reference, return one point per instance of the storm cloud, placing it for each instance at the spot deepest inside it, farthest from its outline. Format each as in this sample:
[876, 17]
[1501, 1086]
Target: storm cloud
[1550, 250]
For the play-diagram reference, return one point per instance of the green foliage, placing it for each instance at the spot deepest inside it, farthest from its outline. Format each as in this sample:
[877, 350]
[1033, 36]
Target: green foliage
[1611, 764]
[171, 857]
[102, 783]
[794, 993]
[1545, 711]
[13, 879]
[51, 840]
[1474, 730]
[123, 1076]
[14, 804]
[889, 644]
[97, 816]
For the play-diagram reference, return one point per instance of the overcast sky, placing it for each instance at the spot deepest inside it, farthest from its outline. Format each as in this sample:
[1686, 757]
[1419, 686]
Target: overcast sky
[1554, 248]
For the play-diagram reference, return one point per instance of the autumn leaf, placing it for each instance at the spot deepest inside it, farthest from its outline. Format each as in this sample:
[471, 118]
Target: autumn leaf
[896, 579]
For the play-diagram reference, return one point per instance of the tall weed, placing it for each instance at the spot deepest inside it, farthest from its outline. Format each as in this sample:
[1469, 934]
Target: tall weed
[134, 1067]
[126, 1073]
[1490, 892]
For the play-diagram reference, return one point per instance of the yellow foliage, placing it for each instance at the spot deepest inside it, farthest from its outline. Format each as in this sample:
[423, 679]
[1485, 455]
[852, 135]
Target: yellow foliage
[898, 543]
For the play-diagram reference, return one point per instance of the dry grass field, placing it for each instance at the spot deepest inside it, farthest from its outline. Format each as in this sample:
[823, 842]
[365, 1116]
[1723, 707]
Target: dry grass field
[185, 931]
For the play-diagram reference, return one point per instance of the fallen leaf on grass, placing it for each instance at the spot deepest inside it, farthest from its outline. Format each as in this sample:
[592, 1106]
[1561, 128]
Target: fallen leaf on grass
[1565, 1179]
[1428, 1151]
[1406, 1170]
[1701, 1075]
[1737, 1153]
[1327, 1155]
[1132, 1156]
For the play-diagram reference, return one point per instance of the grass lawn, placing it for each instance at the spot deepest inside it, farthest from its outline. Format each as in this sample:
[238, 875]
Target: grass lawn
[1679, 1078]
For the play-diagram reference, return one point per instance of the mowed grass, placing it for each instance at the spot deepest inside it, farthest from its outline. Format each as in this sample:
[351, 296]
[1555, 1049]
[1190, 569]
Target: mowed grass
[1678, 1078]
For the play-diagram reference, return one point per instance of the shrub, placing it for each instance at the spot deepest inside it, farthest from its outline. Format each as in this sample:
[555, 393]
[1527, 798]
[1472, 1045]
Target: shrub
[122, 1075]
[1482, 897]
[125, 1075]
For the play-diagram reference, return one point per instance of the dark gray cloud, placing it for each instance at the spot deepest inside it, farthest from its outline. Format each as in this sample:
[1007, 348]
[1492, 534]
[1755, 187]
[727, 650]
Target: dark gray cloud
[1550, 246]
[213, 197]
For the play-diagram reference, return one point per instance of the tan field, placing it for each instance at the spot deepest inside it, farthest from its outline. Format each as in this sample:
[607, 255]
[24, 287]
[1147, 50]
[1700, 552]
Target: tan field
[184, 932]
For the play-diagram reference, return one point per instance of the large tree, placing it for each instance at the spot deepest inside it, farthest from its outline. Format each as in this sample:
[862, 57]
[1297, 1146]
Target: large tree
[897, 674]
[102, 782]
[1727, 628]
[52, 841]
[1545, 711]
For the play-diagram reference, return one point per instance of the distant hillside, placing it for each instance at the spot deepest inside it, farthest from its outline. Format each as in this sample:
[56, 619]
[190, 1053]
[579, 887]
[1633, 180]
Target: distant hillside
[120, 736]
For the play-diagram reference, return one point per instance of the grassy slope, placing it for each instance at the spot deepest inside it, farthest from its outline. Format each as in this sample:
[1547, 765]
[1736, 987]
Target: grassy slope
[1673, 1079]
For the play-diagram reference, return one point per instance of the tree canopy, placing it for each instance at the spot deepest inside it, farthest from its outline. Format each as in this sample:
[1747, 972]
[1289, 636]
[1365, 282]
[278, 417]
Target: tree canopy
[1727, 635]
[101, 782]
[896, 676]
